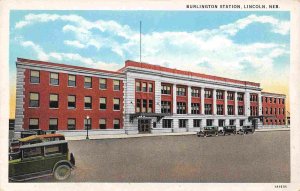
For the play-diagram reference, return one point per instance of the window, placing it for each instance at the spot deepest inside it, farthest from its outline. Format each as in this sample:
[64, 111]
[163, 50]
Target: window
[230, 109]
[242, 122]
[209, 122]
[144, 87]
[230, 96]
[138, 86]
[271, 111]
[138, 105]
[167, 123]
[53, 101]
[116, 124]
[195, 92]
[220, 94]
[231, 122]
[271, 99]
[275, 111]
[240, 96]
[182, 123]
[53, 124]
[33, 123]
[102, 103]
[71, 124]
[240, 110]
[181, 91]
[34, 76]
[207, 109]
[116, 104]
[220, 110]
[102, 123]
[54, 80]
[253, 97]
[208, 93]
[116, 85]
[266, 99]
[102, 84]
[34, 100]
[221, 122]
[32, 152]
[166, 89]
[282, 101]
[195, 108]
[275, 100]
[87, 123]
[267, 111]
[88, 82]
[150, 106]
[282, 110]
[165, 107]
[144, 106]
[71, 101]
[181, 108]
[71, 80]
[52, 149]
[150, 86]
[87, 102]
[197, 122]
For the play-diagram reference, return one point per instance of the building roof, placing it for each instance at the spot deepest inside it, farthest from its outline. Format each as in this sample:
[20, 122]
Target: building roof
[37, 62]
[130, 63]
[272, 94]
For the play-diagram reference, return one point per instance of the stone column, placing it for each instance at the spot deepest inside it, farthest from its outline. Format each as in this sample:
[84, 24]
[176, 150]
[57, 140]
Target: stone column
[202, 100]
[157, 100]
[235, 104]
[259, 104]
[225, 103]
[214, 101]
[189, 94]
[174, 99]
[247, 103]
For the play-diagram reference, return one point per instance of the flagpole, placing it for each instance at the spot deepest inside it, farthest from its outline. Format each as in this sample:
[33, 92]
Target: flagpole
[140, 41]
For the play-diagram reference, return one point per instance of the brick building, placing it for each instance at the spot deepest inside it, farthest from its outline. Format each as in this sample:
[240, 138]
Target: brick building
[139, 98]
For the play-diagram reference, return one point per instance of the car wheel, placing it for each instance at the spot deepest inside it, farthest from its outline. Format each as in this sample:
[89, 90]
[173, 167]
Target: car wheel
[62, 172]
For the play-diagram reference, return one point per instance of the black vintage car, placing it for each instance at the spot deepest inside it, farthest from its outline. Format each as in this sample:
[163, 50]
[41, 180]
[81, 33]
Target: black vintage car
[246, 130]
[208, 131]
[41, 159]
[228, 130]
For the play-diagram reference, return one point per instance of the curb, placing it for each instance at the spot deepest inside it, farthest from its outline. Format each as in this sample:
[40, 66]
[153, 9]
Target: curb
[125, 136]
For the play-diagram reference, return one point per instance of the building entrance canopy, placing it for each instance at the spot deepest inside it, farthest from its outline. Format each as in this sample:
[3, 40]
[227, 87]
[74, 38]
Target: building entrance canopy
[158, 116]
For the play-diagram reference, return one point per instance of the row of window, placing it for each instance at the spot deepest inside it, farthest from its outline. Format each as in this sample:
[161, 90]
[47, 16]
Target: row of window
[144, 105]
[71, 123]
[182, 123]
[34, 101]
[275, 121]
[273, 100]
[195, 108]
[278, 111]
[54, 80]
[143, 86]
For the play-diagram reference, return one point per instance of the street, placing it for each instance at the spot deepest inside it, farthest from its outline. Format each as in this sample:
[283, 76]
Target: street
[254, 158]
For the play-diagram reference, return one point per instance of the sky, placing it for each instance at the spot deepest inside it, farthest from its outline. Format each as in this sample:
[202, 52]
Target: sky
[252, 46]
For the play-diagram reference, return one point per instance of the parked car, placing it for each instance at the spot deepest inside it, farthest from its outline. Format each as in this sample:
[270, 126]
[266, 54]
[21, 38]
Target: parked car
[41, 159]
[228, 130]
[246, 129]
[208, 131]
[15, 144]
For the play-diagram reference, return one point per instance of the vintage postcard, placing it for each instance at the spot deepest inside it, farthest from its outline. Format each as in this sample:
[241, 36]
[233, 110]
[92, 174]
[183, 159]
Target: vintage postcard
[149, 95]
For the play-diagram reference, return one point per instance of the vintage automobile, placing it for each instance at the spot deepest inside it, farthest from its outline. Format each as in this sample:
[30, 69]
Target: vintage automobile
[228, 130]
[41, 159]
[246, 130]
[208, 131]
[15, 144]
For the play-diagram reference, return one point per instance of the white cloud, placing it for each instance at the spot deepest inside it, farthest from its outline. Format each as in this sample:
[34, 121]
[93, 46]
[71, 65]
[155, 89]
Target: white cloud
[39, 51]
[74, 43]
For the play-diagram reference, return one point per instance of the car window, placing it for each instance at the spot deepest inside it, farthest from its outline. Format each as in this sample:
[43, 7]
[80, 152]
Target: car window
[32, 152]
[53, 149]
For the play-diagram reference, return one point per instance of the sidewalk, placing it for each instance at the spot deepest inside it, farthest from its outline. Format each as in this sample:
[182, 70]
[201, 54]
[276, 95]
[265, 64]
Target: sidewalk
[124, 136]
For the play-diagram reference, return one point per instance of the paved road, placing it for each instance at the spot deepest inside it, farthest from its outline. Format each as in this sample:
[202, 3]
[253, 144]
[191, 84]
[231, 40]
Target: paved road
[261, 157]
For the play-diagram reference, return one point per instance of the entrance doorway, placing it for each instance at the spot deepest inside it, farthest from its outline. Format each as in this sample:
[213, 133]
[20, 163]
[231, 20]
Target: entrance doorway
[221, 123]
[144, 125]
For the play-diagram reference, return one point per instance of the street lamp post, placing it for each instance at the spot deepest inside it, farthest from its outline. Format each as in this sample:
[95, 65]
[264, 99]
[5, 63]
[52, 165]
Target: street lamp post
[87, 127]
